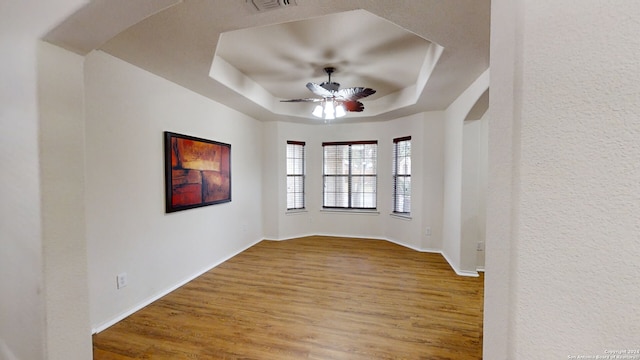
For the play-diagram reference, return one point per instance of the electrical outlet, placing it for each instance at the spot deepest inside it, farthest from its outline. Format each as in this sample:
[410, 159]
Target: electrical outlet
[121, 280]
[428, 231]
[480, 246]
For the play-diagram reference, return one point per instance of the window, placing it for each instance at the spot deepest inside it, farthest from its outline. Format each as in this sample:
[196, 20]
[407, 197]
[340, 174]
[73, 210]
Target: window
[350, 174]
[402, 175]
[295, 175]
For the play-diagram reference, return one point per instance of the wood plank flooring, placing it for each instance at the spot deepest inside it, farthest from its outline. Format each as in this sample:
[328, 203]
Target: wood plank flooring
[310, 298]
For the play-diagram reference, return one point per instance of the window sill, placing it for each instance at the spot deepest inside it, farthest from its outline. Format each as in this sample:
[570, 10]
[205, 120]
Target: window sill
[295, 211]
[352, 211]
[401, 216]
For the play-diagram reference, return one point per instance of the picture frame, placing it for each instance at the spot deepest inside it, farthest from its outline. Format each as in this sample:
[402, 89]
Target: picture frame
[197, 172]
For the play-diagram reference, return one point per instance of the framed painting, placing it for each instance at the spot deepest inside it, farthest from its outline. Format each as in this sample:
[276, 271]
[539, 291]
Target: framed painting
[197, 172]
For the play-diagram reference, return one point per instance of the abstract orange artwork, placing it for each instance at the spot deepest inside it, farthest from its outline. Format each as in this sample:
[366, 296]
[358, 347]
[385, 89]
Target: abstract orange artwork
[197, 172]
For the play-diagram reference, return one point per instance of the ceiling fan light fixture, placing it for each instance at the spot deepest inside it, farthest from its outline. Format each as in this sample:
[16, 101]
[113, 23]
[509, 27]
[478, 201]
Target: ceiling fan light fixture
[317, 112]
[335, 102]
[329, 110]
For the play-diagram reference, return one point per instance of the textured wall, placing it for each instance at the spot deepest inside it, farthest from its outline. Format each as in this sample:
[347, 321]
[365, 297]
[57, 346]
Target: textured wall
[503, 155]
[575, 239]
[22, 308]
[62, 169]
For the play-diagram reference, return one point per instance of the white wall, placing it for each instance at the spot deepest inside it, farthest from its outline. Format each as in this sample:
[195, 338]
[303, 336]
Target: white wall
[503, 156]
[437, 141]
[474, 189]
[398, 229]
[460, 253]
[452, 202]
[472, 231]
[127, 110]
[272, 189]
[22, 303]
[314, 221]
[62, 169]
[433, 182]
[426, 132]
[483, 178]
[563, 240]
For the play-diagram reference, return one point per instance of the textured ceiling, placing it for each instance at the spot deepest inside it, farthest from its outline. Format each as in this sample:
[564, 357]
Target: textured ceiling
[419, 54]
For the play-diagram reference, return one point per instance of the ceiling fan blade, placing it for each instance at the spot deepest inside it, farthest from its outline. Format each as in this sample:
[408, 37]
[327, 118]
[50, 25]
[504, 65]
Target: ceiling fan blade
[355, 106]
[302, 100]
[354, 93]
[319, 90]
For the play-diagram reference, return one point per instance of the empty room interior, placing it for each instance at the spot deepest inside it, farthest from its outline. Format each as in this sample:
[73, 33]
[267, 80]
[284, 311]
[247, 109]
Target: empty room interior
[257, 179]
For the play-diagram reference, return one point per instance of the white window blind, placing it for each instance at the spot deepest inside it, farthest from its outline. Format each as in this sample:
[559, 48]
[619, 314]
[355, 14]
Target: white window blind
[350, 174]
[295, 175]
[402, 175]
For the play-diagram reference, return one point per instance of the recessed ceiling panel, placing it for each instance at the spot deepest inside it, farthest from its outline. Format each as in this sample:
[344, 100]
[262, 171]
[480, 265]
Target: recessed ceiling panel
[365, 49]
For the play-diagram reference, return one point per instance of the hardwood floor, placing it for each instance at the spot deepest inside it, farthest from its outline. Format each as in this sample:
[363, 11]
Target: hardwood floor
[311, 298]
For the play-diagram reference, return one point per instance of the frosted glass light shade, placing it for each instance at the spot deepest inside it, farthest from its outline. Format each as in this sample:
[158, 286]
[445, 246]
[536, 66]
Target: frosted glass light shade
[328, 110]
[317, 112]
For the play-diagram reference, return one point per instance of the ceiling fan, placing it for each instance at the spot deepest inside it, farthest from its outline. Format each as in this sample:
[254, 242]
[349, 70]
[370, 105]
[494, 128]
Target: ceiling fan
[335, 102]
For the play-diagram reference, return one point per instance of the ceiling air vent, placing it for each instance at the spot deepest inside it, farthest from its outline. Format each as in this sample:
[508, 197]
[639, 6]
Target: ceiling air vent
[266, 5]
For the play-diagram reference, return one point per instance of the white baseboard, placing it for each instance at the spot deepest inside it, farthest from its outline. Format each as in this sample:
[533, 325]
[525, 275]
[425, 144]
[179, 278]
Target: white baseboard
[428, 250]
[352, 236]
[432, 250]
[122, 316]
[414, 248]
[458, 271]
[288, 238]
